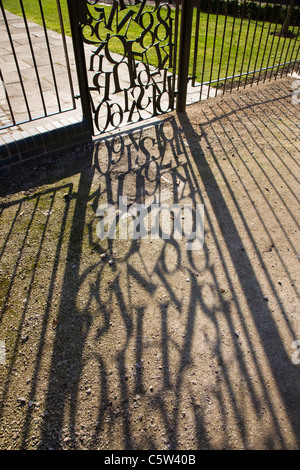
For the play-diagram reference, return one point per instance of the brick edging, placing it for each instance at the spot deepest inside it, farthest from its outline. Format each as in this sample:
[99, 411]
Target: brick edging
[42, 141]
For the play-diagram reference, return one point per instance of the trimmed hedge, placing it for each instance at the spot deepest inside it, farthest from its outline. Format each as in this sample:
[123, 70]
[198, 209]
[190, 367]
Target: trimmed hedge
[274, 10]
[251, 10]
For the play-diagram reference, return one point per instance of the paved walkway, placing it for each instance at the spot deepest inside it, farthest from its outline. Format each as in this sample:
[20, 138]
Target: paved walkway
[44, 78]
[30, 78]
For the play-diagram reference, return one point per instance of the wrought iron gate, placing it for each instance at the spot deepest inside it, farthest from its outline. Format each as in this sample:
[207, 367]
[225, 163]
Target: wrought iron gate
[136, 58]
[138, 81]
[31, 81]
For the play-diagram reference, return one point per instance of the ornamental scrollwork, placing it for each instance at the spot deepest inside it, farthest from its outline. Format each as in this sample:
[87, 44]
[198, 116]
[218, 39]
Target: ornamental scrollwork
[132, 60]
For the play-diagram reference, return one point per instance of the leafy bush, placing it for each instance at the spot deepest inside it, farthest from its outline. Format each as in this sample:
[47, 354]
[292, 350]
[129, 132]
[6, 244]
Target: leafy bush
[251, 10]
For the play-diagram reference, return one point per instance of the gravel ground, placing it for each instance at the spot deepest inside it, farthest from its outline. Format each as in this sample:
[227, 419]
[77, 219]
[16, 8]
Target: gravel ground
[141, 343]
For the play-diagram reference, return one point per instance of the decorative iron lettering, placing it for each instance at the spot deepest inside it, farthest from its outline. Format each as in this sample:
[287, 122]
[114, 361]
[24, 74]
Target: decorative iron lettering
[131, 67]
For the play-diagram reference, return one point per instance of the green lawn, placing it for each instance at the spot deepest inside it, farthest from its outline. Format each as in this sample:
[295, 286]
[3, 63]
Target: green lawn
[240, 52]
[249, 45]
[33, 12]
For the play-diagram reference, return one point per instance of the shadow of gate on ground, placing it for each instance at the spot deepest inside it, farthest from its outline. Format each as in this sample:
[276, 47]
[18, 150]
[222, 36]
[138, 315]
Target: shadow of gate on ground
[163, 348]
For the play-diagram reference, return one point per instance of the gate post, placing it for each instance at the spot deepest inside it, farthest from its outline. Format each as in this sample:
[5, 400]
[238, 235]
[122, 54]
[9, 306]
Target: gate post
[187, 7]
[76, 11]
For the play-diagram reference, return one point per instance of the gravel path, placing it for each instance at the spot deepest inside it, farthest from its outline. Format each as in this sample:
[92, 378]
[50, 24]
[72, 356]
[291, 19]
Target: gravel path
[143, 344]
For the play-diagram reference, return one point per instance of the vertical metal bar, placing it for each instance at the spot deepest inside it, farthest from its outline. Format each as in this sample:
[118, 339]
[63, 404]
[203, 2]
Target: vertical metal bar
[293, 36]
[196, 44]
[205, 47]
[173, 59]
[73, 8]
[259, 43]
[245, 47]
[184, 53]
[50, 55]
[7, 99]
[33, 57]
[214, 46]
[292, 53]
[175, 48]
[267, 66]
[287, 52]
[230, 46]
[63, 35]
[296, 60]
[279, 60]
[176, 35]
[275, 55]
[16, 60]
[238, 44]
[266, 42]
[222, 46]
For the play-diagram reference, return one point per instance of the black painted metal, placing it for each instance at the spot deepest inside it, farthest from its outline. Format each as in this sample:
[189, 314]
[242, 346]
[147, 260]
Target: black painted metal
[159, 44]
[17, 68]
[139, 81]
[47, 108]
[114, 103]
[76, 16]
[246, 44]
[184, 53]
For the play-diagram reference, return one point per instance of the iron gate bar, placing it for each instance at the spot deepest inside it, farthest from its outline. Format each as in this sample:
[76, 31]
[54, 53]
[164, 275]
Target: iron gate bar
[196, 43]
[29, 109]
[50, 56]
[159, 79]
[280, 58]
[205, 46]
[293, 48]
[276, 24]
[33, 57]
[230, 77]
[230, 46]
[285, 59]
[7, 97]
[63, 35]
[253, 40]
[222, 47]
[238, 42]
[175, 42]
[265, 47]
[236, 56]
[291, 37]
[246, 41]
[298, 61]
[187, 7]
[274, 59]
[278, 42]
[76, 13]
[16, 62]
[214, 46]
